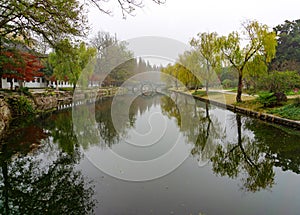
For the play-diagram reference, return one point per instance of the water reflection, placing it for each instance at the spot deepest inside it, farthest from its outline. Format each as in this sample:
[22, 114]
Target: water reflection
[250, 157]
[245, 159]
[38, 172]
[39, 159]
[280, 144]
[237, 147]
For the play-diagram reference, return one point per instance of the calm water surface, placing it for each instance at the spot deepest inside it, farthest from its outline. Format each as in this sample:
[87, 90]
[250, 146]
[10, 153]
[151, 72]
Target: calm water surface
[236, 165]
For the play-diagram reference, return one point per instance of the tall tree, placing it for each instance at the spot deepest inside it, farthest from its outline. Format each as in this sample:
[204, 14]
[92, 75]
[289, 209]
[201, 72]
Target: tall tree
[258, 39]
[207, 46]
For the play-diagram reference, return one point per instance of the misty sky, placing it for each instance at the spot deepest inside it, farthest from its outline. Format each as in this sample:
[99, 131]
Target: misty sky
[183, 19]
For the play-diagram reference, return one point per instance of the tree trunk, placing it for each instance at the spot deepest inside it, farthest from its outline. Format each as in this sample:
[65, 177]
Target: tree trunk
[11, 84]
[206, 81]
[240, 88]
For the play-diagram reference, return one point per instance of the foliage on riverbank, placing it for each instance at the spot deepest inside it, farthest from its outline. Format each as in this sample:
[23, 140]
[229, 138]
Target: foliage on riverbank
[290, 111]
[21, 105]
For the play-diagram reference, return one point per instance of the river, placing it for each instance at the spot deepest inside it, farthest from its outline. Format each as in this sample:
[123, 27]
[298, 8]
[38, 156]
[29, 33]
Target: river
[152, 154]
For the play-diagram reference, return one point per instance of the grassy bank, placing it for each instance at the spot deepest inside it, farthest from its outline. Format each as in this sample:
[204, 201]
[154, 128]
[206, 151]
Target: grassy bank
[288, 110]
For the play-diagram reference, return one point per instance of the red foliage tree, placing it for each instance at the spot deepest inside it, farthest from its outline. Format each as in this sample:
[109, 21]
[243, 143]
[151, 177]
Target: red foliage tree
[22, 66]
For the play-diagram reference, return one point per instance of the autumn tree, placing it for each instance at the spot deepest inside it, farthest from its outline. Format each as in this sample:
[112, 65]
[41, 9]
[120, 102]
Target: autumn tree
[22, 66]
[241, 48]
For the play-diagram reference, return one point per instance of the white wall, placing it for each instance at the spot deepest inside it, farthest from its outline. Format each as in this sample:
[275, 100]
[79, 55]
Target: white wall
[60, 84]
[38, 82]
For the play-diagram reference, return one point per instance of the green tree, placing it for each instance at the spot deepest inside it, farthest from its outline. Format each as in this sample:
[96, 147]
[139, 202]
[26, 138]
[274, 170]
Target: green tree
[279, 82]
[68, 61]
[181, 73]
[259, 41]
[288, 49]
[209, 53]
[49, 19]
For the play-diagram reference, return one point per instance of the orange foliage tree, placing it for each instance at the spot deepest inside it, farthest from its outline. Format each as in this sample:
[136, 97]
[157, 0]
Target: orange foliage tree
[22, 66]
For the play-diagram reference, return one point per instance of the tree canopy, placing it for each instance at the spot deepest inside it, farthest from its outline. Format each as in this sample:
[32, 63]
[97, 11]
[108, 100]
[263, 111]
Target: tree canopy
[47, 19]
[69, 60]
[260, 41]
[288, 49]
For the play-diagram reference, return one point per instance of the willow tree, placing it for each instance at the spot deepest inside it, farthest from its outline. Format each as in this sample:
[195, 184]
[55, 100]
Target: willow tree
[68, 61]
[190, 60]
[241, 48]
[206, 45]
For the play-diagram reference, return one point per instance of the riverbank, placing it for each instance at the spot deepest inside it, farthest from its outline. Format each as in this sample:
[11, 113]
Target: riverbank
[226, 101]
[14, 104]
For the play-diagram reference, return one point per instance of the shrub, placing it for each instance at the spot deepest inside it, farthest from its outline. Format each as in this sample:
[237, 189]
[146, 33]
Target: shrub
[20, 105]
[227, 83]
[291, 111]
[267, 99]
[25, 91]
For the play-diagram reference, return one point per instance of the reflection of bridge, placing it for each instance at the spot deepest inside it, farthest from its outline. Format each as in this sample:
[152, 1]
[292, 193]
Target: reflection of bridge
[146, 87]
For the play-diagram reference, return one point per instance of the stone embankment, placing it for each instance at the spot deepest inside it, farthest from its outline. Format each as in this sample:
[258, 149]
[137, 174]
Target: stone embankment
[14, 104]
[5, 114]
[248, 112]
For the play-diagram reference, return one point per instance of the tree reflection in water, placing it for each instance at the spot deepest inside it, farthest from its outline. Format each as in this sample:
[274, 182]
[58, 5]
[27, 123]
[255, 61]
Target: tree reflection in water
[40, 177]
[245, 159]
[250, 157]
[38, 159]
[202, 130]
